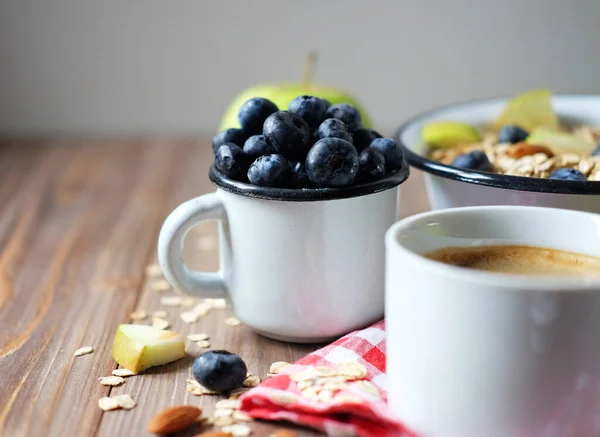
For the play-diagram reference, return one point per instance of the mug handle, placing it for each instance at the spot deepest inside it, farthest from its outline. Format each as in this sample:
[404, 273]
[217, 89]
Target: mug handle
[170, 247]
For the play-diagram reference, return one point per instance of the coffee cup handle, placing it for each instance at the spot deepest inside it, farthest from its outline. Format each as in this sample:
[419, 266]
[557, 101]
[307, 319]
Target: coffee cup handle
[170, 247]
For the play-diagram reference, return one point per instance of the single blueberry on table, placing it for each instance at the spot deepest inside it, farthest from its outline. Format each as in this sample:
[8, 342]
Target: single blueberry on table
[288, 134]
[334, 128]
[347, 113]
[567, 174]
[475, 160]
[512, 134]
[253, 114]
[256, 146]
[371, 165]
[311, 109]
[391, 152]
[332, 162]
[269, 171]
[298, 177]
[219, 370]
[231, 135]
[363, 138]
[231, 160]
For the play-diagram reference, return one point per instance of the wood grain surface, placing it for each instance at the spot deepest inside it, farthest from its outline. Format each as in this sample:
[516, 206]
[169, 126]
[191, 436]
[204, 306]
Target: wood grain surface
[78, 223]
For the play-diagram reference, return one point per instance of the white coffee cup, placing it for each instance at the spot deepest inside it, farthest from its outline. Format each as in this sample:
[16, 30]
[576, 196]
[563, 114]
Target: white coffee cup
[296, 265]
[481, 354]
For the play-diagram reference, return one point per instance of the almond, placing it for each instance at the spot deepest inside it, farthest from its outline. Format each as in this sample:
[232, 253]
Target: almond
[519, 150]
[174, 419]
[215, 434]
[283, 433]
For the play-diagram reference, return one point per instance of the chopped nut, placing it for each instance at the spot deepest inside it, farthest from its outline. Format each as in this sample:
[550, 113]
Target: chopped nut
[160, 285]
[228, 403]
[203, 344]
[112, 381]
[277, 367]
[83, 351]
[138, 315]
[159, 314]
[107, 404]
[170, 301]
[125, 401]
[240, 416]
[232, 321]
[123, 372]
[216, 433]
[153, 270]
[198, 337]
[189, 316]
[160, 323]
[238, 430]
[283, 433]
[251, 381]
[519, 150]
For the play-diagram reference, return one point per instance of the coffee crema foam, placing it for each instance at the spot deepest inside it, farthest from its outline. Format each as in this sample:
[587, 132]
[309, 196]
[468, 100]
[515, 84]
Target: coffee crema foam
[521, 260]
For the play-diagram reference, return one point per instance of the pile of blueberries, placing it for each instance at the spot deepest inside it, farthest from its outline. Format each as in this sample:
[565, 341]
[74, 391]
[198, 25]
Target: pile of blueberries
[311, 145]
[477, 160]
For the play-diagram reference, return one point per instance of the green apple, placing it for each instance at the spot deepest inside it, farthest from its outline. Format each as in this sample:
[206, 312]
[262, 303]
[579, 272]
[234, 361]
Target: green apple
[138, 347]
[530, 110]
[283, 93]
[444, 134]
[561, 141]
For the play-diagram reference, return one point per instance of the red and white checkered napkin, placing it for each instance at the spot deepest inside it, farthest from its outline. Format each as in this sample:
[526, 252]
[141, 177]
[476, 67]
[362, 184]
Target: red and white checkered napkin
[359, 409]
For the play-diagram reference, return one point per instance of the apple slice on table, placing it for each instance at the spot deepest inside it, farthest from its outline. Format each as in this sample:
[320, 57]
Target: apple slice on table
[561, 142]
[138, 347]
[530, 110]
[446, 134]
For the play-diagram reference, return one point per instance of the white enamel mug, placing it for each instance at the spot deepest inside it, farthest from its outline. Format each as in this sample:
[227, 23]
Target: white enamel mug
[480, 354]
[296, 265]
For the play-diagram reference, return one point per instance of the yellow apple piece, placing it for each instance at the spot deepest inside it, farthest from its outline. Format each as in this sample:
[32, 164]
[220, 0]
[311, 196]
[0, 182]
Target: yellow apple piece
[561, 142]
[138, 347]
[530, 110]
[445, 134]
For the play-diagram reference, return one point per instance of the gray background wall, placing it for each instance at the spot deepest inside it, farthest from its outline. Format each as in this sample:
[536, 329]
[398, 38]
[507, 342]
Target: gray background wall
[157, 67]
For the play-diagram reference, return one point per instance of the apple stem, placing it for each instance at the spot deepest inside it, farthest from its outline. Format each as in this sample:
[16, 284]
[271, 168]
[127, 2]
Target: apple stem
[310, 68]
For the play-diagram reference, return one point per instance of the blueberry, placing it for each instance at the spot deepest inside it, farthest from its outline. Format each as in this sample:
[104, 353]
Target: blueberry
[231, 135]
[298, 178]
[269, 171]
[597, 151]
[371, 164]
[232, 161]
[567, 174]
[311, 109]
[253, 114]
[334, 128]
[347, 113]
[256, 146]
[288, 134]
[327, 103]
[512, 134]
[363, 138]
[219, 370]
[475, 160]
[390, 151]
[332, 162]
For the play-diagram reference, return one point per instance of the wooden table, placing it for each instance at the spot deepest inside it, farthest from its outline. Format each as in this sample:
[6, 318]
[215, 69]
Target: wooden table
[78, 224]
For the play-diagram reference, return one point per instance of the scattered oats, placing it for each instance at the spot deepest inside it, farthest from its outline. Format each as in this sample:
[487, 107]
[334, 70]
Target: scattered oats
[308, 373]
[196, 389]
[125, 401]
[138, 315]
[153, 270]
[223, 412]
[206, 243]
[311, 393]
[347, 398]
[219, 304]
[160, 323]
[232, 321]
[240, 416]
[282, 397]
[228, 404]
[251, 381]
[189, 316]
[202, 308]
[113, 381]
[338, 379]
[159, 314]
[203, 344]
[170, 301]
[352, 368]
[235, 394]
[366, 386]
[569, 159]
[325, 371]
[198, 337]
[305, 384]
[123, 372]
[223, 421]
[107, 404]
[586, 166]
[334, 386]
[188, 301]
[325, 396]
[160, 285]
[83, 351]
[277, 366]
[595, 176]
[237, 430]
